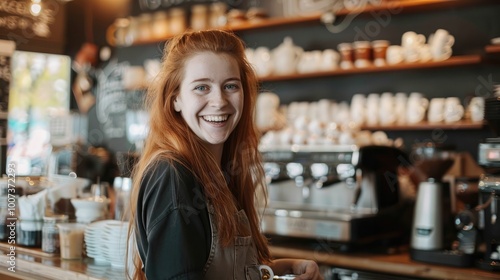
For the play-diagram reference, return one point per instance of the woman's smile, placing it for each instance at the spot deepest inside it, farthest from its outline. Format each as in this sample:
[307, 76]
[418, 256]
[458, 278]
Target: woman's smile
[211, 97]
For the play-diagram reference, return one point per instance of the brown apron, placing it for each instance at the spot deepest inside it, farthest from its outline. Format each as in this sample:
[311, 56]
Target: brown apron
[234, 262]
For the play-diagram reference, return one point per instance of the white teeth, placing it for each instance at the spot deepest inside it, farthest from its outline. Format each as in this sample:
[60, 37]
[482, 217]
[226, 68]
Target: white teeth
[215, 118]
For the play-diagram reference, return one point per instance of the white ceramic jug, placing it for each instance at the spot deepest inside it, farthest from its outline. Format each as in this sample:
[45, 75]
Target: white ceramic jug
[286, 56]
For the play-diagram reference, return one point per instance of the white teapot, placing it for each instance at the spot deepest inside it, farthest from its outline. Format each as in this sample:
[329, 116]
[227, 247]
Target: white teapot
[286, 56]
[262, 61]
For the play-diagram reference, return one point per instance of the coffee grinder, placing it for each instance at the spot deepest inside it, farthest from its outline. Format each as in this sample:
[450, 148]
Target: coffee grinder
[489, 188]
[432, 215]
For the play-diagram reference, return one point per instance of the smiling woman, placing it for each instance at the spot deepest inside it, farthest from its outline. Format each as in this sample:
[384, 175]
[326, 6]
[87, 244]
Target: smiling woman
[210, 98]
[196, 181]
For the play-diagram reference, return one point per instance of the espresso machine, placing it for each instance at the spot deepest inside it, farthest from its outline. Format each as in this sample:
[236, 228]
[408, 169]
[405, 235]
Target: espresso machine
[489, 189]
[345, 194]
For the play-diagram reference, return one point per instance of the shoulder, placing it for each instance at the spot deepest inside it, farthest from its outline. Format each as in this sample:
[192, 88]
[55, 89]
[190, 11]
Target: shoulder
[166, 188]
[169, 185]
[167, 176]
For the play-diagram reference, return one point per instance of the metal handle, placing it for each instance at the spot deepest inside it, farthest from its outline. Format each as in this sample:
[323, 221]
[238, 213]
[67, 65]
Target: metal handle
[486, 204]
[493, 208]
[266, 273]
[357, 191]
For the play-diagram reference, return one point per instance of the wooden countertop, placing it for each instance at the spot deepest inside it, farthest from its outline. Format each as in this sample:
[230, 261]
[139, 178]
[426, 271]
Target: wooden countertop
[38, 266]
[34, 264]
[398, 264]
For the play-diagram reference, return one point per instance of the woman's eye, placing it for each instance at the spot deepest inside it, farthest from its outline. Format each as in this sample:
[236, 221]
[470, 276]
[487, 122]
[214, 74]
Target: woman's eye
[201, 88]
[231, 87]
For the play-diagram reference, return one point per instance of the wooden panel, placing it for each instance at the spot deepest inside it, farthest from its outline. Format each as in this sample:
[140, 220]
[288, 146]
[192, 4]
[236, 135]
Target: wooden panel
[460, 125]
[453, 61]
[399, 264]
[405, 6]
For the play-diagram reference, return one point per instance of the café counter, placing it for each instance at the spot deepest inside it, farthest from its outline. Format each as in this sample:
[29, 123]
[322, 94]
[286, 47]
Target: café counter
[30, 264]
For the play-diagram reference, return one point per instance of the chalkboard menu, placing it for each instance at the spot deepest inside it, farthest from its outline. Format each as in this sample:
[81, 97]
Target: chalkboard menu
[108, 118]
[6, 51]
[33, 25]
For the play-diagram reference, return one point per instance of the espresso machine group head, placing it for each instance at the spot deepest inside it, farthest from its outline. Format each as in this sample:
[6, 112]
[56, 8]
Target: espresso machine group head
[342, 193]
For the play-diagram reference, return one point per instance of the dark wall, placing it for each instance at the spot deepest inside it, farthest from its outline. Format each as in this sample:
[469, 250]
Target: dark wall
[472, 26]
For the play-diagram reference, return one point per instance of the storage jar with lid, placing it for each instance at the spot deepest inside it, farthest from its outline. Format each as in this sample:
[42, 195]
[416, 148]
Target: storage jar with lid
[50, 233]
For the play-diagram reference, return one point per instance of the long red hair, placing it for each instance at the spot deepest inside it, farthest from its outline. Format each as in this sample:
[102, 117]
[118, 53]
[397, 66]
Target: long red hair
[170, 138]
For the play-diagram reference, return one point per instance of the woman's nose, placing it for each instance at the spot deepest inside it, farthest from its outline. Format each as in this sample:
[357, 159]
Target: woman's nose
[218, 99]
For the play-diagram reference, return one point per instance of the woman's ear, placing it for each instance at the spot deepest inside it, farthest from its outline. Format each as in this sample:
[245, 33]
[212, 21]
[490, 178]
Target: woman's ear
[177, 106]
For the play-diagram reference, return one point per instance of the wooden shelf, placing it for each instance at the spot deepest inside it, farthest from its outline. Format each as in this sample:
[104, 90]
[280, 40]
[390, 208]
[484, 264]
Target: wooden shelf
[453, 61]
[399, 263]
[391, 5]
[461, 125]
[492, 49]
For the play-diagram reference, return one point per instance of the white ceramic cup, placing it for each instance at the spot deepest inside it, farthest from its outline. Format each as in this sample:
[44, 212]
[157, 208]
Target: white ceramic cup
[310, 61]
[400, 102]
[358, 108]
[454, 111]
[436, 110]
[412, 39]
[386, 113]
[330, 60]
[425, 53]
[416, 107]
[262, 61]
[372, 109]
[394, 55]
[440, 44]
[476, 109]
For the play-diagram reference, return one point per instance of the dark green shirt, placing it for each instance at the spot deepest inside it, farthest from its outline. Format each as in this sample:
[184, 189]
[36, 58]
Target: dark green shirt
[174, 235]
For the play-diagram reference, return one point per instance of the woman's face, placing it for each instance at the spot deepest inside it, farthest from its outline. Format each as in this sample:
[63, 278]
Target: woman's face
[211, 96]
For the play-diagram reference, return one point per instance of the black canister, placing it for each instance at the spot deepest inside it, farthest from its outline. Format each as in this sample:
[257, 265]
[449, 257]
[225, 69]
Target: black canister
[29, 233]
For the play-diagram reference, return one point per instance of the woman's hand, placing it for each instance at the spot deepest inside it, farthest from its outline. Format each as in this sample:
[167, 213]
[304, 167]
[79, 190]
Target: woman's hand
[306, 270]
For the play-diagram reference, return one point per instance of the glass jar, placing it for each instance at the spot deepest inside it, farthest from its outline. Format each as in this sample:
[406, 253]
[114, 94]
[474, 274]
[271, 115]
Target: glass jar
[362, 54]
[122, 199]
[177, 21]
[121, 25]
[199, 17]
[218, 16]
[132, 34]
[379, 48]
[346, 56]
[160, 27]
[145, 22]
[29, 233]
[50, 233]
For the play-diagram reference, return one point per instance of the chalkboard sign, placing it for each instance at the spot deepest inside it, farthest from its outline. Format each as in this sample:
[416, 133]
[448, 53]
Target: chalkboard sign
[108, 117]
[6, 50]
[33, 25]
